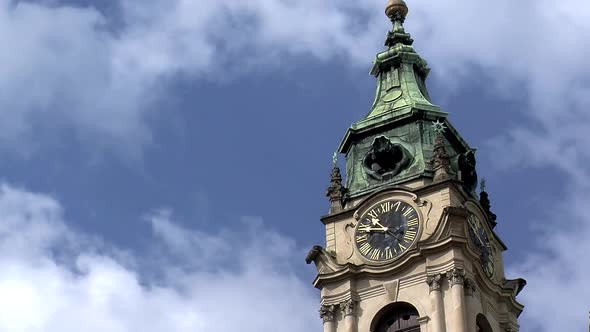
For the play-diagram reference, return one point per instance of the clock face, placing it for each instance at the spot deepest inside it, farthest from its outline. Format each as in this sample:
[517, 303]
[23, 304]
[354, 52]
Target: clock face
[479, 237]
[387, 230]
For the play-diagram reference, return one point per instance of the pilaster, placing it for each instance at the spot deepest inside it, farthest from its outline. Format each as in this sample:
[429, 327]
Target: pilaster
[437, 306]
[349, 312]
[328, 315]
[458, 322]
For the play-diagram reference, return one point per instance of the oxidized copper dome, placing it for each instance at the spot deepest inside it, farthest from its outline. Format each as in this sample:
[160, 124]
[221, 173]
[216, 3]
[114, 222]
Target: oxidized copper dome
[396, 6]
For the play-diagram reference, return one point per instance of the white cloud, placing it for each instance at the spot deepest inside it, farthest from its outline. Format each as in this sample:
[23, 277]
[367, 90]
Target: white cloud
[79, 73]
[88, 286]
[65, 70]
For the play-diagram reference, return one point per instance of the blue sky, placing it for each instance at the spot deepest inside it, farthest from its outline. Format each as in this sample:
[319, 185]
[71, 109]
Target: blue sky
[166, 160]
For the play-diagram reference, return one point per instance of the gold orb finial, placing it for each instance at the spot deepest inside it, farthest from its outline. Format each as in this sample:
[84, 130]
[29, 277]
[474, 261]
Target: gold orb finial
[396, 8]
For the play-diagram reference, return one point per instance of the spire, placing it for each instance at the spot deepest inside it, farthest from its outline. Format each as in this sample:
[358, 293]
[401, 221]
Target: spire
[397, 10]
[400, 71]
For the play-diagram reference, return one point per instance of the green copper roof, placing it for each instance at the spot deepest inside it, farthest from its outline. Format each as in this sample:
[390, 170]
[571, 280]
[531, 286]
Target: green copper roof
[394, 142]
[400, 73]
[401, 88]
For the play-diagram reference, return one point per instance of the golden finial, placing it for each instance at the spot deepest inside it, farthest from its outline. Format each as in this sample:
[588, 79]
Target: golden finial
[396, 9]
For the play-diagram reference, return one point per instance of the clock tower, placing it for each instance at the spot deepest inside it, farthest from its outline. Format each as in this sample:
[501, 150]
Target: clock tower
[410, 245]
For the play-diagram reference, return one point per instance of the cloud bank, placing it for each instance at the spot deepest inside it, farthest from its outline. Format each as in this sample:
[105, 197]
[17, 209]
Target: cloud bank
[56, 279]
[73, 69]
[78, 69]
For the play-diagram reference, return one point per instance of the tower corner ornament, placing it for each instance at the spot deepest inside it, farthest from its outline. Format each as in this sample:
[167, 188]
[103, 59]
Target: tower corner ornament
[409, 240]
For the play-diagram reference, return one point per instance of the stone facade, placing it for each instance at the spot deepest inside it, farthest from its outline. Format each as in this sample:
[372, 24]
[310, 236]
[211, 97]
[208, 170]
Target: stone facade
[441, 276]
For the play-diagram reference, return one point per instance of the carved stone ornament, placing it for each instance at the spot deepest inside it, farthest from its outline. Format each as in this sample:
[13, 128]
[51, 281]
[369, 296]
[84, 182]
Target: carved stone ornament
[385, 159]
[484, 200]
[348, 307]
[456, 277]
[396, 9]
[336, 190]
[508, 327]
[323, 260]
[327, 312]
[440, 160]
[469, 287]
[467, 165]
[434, 282]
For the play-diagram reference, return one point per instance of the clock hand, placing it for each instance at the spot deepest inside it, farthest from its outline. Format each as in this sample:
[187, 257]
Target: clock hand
[376, 222]
[476, 233]
[397, 229]
[368, 229]
[394, 234]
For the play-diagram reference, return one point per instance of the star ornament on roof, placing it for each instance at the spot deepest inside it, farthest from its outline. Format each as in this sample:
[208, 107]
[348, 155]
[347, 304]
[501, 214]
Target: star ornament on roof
[438, 127]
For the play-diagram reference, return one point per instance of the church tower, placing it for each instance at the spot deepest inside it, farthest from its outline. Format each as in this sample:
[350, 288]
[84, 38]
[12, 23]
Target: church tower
[410, 245]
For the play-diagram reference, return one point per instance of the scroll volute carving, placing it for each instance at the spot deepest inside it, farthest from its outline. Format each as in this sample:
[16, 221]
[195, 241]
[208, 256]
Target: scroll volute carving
[323, 260]
[349, 231]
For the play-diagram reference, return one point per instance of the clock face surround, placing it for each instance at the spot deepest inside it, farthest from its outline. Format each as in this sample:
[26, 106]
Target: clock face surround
[387, 230]
[480, 239]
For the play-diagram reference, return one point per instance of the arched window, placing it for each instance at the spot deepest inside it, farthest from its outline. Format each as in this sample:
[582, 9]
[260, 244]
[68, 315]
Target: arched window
[482, 324]
[398, 317]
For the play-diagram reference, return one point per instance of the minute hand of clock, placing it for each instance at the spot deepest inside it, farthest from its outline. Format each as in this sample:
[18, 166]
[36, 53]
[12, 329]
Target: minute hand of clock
[395, 232]
[479, 239]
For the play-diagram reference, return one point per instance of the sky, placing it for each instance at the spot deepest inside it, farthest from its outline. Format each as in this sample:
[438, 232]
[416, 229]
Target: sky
[164, 162]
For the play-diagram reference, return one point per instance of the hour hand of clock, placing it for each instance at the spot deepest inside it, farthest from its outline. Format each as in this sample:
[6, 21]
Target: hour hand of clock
[375, 226]
[376, 222]
[369, 229]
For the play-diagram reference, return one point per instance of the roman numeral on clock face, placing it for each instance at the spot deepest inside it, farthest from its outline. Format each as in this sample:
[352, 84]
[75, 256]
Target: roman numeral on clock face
[410, 235]
[365, 248]
[388, 253]
[408, 212]
[386, 207]
[375, 254]
[373, 214]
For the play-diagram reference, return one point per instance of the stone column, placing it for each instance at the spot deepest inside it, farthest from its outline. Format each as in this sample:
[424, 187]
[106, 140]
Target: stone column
[457, 322]
[327, 313]
[437, 307]
[349, 313]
